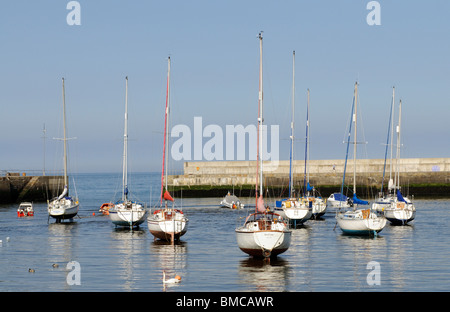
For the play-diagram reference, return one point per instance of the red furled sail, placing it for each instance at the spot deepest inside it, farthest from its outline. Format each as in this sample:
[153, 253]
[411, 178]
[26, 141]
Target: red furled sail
[167, 196]
[260, 204]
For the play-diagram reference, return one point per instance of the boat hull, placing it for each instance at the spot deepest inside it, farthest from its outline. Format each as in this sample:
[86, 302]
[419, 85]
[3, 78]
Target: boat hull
[353, 223]
[318, 207]
[167, 224]
[297, 215]
[296, 210]
[263, 244]
[400, 216]
[63, 209]
[129, 215]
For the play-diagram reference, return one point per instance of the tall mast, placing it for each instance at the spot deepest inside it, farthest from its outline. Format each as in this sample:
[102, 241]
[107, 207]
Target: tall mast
[397, 176]
[348, 143]
[291, 180]
[307, 136]
[306, 180]
[166, 119]
[259, 164]
[388, 142]
[125, 146]
[167, 128]
[66, 183]
[354, 146]
[392, 131]
[44, 137]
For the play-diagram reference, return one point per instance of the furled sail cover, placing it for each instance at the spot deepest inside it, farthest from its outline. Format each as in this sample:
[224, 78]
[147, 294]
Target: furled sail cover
[358, 201]
[167, 196]
[63, 193]
[340, 197]
[400, 197]
[260, 204]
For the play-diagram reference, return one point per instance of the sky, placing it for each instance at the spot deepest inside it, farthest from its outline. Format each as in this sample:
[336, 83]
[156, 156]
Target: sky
[214, 53]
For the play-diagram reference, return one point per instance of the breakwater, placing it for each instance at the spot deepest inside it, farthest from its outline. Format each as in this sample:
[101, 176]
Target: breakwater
[421, 177]
[16, 187]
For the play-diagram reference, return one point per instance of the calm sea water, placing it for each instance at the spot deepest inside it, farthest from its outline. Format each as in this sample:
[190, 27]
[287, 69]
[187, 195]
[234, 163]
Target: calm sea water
[320, 258]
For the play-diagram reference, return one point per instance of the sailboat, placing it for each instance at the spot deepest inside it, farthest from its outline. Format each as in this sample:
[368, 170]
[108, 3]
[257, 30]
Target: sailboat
[292, 208]
[357, 221]
[264, 232]
[126, 212]
[338, 200]
[64, 207]
[384, 200]
[316, 203]
[398, 209]
[167, 223]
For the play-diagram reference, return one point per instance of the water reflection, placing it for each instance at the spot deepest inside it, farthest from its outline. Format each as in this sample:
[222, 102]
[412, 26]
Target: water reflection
[171, 259]
[62, 248]
[356, 252]
[127, 245]
[301, 250]
[400, 249]
[263, 275]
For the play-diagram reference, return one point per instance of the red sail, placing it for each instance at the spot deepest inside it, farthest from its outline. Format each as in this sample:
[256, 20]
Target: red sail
[167, 196]
[260, 205]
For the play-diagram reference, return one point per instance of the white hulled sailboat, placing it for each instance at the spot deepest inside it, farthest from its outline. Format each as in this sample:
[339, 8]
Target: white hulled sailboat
[167, 223]
[398, 209]
[316, 203]
[64, 207]
[264, 233]
[292, 208]
[126, 212]
[357, 221]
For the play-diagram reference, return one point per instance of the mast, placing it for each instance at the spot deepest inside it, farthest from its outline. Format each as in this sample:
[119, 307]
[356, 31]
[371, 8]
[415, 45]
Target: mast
[44, 137]
[388, 142]
[291, 180]
[166, 119]
[125, 147]
[397, 175]
[167, 128]
[307, 138]
[259, 164]
[354, 146]
[392, 133]
[348, 144]
[66, 183]
[306, 179]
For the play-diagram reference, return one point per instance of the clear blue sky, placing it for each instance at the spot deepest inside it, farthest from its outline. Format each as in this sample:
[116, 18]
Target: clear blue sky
[215, 57]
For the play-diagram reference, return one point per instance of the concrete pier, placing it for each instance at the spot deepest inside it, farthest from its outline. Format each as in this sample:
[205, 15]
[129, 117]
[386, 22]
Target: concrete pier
[214, 177]
[16, 187]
